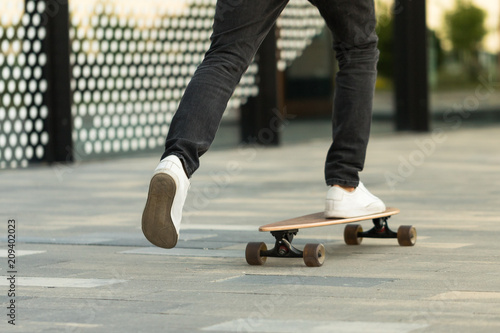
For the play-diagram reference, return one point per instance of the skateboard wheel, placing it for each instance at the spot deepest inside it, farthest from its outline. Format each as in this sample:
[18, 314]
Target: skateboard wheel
[351, 232]
[314, 255]
[252, 253]
[407, 235]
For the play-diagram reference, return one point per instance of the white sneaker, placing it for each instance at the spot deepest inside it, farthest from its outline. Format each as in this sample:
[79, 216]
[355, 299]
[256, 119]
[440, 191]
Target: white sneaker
[343, 204]
[162, 215]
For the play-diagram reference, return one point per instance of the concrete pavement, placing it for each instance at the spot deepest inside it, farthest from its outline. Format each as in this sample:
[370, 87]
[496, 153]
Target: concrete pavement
[83, 265]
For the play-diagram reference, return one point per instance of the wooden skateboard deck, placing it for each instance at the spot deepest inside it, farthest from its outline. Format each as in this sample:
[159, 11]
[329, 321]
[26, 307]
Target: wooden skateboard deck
[256, 253]
[319, 220]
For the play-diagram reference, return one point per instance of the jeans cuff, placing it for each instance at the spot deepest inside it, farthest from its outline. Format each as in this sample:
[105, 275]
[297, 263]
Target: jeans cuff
[342, 182]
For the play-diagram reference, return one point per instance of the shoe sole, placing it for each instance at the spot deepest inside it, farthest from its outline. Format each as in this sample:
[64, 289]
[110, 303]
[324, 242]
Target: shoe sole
[157, 224]
[332, 214]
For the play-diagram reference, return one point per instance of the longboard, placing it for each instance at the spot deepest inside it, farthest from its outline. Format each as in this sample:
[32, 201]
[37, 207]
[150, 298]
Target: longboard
[256, 253]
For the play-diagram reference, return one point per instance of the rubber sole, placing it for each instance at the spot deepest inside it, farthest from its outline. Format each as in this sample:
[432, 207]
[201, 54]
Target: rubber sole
[330, 213]
[157, 224]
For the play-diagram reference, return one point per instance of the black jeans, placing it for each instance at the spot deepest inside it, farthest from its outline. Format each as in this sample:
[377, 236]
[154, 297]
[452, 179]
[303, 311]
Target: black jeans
[239, 28]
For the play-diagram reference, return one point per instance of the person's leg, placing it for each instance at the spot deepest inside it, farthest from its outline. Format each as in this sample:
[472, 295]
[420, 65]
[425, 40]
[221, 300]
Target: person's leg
[355, 42]
[239, 28]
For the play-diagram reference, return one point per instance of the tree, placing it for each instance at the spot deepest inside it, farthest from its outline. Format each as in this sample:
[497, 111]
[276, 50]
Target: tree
[465, 27]
[385, 32]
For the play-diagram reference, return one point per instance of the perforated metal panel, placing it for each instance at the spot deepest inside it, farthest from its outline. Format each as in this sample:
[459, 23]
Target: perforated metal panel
[23, 136]
[299, 23]
[131, 62]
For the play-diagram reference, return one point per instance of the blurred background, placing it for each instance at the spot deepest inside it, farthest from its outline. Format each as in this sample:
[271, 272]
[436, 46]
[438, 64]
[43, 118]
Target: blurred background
[99, 78]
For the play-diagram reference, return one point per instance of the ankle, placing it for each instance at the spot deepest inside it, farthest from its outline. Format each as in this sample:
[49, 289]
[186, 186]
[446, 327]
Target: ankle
[346, 188]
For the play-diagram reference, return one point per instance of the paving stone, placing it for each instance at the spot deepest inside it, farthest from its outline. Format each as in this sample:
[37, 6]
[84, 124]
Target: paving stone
[82, 228]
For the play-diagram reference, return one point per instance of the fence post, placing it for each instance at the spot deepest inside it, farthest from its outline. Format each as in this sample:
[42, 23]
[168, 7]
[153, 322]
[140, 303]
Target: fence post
[260, 119]
[58, 74]
[410, 81]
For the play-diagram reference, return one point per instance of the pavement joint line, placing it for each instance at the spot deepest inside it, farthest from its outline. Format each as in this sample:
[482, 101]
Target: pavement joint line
[444, 245]
[466, 296]
[227, 278]
[26, 281]
[20, 253]
[309, 280]
[184, 252]
[221, 227]
[262, 325]
[73, 325]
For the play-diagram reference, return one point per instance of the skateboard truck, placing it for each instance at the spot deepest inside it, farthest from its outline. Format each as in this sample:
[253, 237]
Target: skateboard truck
[283, 246]
[313, 254]
[354, 234]
[380, 230]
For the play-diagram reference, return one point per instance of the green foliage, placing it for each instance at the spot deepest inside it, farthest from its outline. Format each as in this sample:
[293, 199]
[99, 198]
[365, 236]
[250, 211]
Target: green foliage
[465, 26]
[385, 32]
